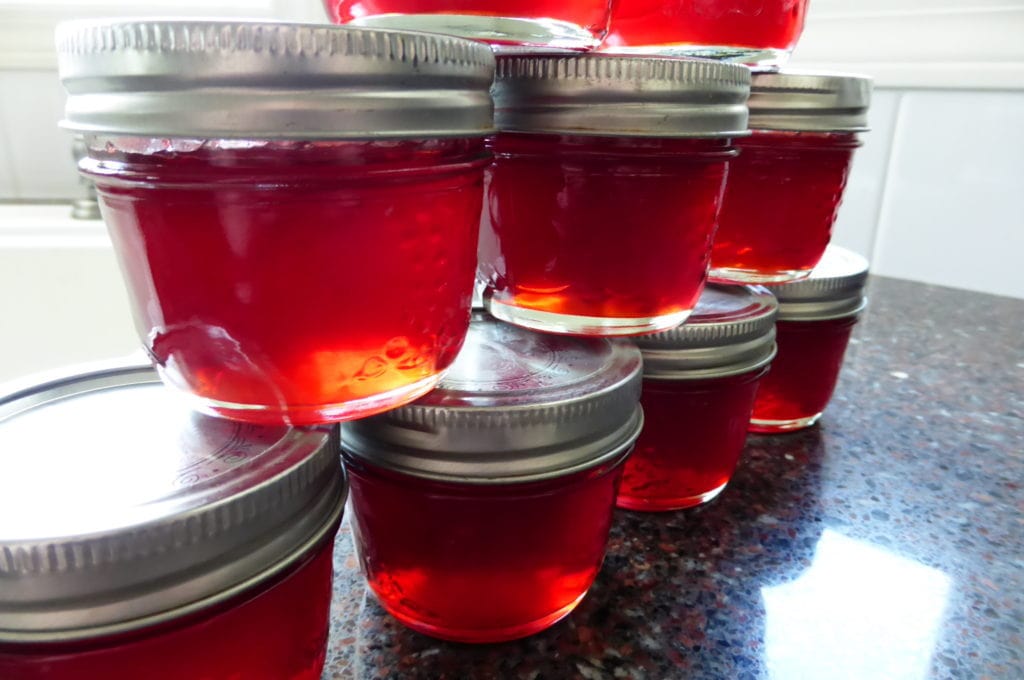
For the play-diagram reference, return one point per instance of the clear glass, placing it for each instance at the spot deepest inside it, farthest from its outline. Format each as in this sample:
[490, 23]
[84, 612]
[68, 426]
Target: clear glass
[569, 24]
[781, 201]
[295, 282]
[480, 562]
[804, 374]
[599, 235]
[694, 432]
[752, 32]
[261, 635]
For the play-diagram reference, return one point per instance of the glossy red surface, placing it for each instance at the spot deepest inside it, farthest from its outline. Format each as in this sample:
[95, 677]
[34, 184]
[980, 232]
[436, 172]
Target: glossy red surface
[780, 204]
[611, 227]
[297, 282]
[694, 432]
[804, 373]
[277, 631]
[761, 24]
[590, 15]
[480, 563]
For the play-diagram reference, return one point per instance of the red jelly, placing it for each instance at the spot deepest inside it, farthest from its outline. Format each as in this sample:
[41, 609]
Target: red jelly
[754, 32]
[785, 187]
[698, 391]
[577, 24]
[604, 193]
[816, 317]
[482, 511]
[312, 279]
[178, 548]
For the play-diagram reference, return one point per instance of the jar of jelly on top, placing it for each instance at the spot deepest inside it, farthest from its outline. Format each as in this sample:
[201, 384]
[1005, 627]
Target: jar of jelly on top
[482, 510]
[698, 391]
[144, 540]
[605, 189]
[786, 185]
[816, 318]
[294, 208]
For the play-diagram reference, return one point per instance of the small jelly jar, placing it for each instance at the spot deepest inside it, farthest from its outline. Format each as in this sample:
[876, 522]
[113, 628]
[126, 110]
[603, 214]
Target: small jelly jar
[143, 540]
[698, 391]
[505, 24]
[816, 317]
[605, 188]
[481, 512]
[294, 208]
[753, 32]
[786, 185]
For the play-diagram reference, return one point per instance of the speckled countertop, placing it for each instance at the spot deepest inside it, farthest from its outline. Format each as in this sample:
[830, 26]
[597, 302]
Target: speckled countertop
[888, 542]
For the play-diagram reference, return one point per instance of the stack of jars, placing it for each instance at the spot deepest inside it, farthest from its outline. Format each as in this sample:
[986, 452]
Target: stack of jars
[300, 213]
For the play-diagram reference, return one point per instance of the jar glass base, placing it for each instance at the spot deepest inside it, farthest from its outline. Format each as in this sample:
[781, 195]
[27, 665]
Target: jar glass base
[504, 33]
[760, 58]
[754, 276]
[780, 426]
[666, 504]
[571, 324]
[486, 635]
[316, 414]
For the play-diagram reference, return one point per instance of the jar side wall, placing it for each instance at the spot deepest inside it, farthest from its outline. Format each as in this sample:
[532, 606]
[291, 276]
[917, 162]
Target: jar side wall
[780, 205]
[480, 563]
[600, 228]
[261, 636]
[805, 372]
[280, 286]
[693, 436]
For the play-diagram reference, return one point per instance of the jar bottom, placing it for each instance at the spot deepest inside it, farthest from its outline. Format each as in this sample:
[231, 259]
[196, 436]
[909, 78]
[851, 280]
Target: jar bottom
[764, 58]
[505, 32]
[571, 324]
[315, 414]
[486, 635]
[754, 276]
[781, 426]
[666, 504]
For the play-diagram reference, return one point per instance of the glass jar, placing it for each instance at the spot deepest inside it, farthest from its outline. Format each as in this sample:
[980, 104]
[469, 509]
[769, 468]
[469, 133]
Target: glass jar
[698, 391]
[143, 540]
[786, 185]
[605, 188]
[505, 24]
[816, 318]
[481, 512]
[296, 216]
[752, 32]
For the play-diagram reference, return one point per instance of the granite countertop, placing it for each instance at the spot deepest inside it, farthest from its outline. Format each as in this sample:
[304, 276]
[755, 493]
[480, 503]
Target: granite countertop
[887, 542]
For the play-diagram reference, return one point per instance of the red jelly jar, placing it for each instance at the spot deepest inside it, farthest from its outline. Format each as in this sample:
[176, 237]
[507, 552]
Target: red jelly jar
[816, 317]
[753, 32]
[481, 512]
[295, 208]
[786, 185]
[143, 540]
[698, 391]
[506, 24]
[605, 189]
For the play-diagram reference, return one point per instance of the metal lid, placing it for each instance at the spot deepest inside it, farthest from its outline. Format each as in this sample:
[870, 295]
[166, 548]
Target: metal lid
[515, 406]
[254, 80]
[731, 331]
[600, 94]
[810, 102]
[122, 508]
[834, 289]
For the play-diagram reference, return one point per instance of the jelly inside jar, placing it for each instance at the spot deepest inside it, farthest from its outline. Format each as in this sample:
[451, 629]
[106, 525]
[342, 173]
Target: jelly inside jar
[780, 204]
[803, 376]
[599, 235]
[259, 635]
[292, 281]
[480, 563]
